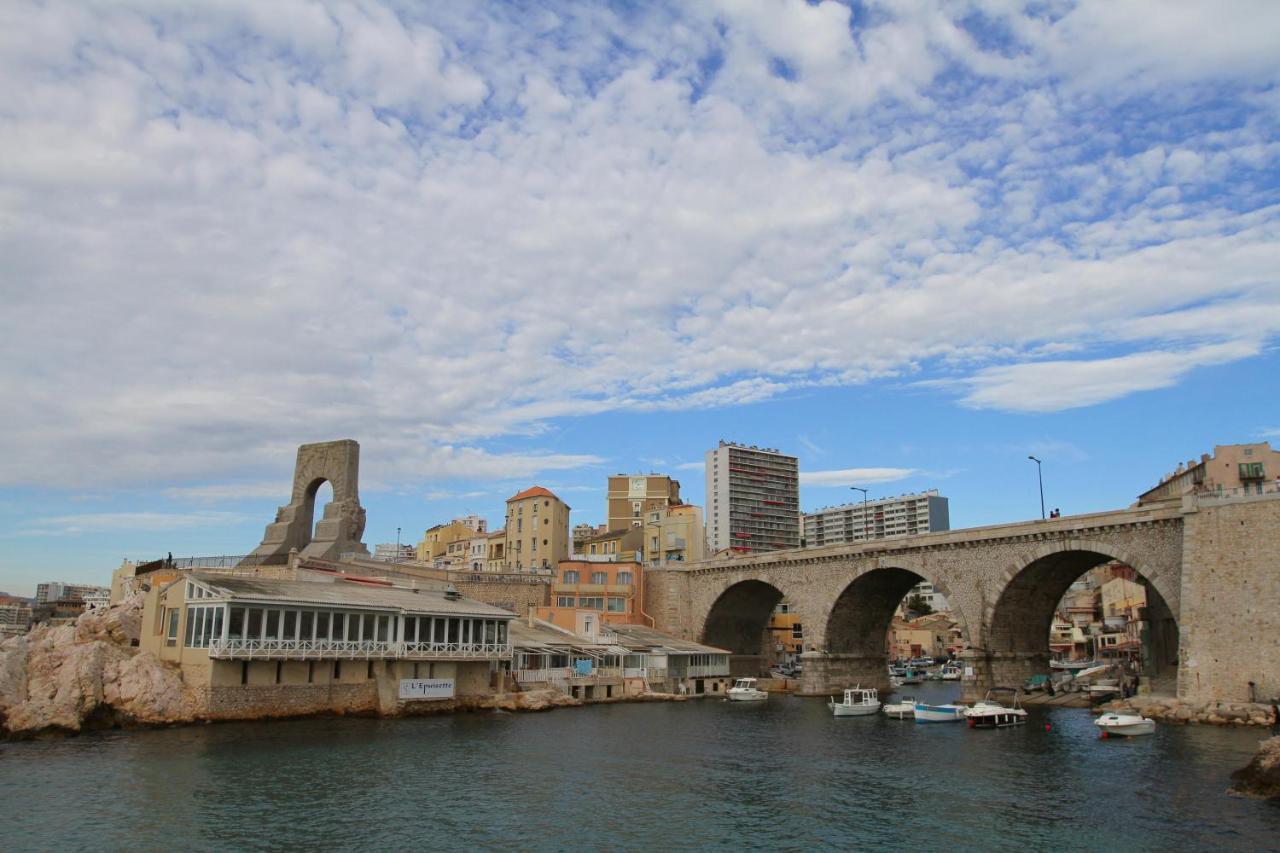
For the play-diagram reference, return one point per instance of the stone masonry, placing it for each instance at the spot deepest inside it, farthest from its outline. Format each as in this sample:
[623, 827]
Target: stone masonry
[1210, 569]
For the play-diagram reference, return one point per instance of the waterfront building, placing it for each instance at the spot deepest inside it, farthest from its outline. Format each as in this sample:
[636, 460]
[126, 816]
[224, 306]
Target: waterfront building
[582, 532]
[632, 496]
[670, 664]
[882, 518]
[927, 636]
[674, 534]
[1233, 469]
[753, 499]
[924, 593]
[252, 645]
[537, 531]
[587, 594]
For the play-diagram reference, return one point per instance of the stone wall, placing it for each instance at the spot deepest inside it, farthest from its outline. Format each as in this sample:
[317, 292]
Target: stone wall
[255, 702]
[1230, 625]
[516, 596]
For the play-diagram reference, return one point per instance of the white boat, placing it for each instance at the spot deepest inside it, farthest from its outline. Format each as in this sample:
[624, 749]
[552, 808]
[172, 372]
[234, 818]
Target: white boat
[903, 708]
[950, 713]
[1125, 725]
[745, 690]
[858, 702]
[951, 672]
[1071, 664]
[913, 676]
[990, 714]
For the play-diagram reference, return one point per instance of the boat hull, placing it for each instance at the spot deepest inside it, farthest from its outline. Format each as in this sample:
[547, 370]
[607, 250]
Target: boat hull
[997, 719]
[1113, 725]
[842, 710]
[753, 696]
[939, 713]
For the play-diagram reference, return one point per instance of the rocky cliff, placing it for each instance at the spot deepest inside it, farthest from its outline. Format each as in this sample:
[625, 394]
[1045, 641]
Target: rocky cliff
[87, 674]
[1261, 777]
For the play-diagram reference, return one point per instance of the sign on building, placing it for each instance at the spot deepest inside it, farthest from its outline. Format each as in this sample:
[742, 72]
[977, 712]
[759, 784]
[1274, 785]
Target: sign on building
[426, 688]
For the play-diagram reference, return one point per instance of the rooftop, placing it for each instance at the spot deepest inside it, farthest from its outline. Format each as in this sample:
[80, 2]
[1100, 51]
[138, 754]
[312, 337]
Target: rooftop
[346, 593]
[533, 492]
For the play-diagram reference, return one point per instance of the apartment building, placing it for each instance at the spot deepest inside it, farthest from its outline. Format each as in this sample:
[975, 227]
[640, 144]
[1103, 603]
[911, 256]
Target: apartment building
[586, 594]
[633, 496]
[537, 531]
[753, 499]
[436, 541]
[51, 591]
[674, 535]
[1233, 469]
[882, 518]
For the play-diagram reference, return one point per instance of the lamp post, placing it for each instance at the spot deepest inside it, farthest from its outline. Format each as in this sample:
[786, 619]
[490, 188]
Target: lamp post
[397, 544]
[1040, 477]
[866, 534]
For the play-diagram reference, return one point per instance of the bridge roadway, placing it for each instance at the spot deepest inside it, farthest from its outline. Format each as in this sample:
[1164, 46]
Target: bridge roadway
[1211, 567]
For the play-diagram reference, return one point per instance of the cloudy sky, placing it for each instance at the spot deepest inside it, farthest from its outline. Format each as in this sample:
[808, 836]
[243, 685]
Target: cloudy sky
[910, 242]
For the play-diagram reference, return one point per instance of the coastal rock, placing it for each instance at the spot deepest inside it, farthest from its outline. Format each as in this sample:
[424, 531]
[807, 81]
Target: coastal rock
[1261, 777]
[62, 678]
[532, 700]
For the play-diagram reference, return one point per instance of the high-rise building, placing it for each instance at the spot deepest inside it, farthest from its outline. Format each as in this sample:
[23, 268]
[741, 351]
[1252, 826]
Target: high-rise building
[47, 593]
[753, 499]
[633, 496]
[884, 518]
[537, 531]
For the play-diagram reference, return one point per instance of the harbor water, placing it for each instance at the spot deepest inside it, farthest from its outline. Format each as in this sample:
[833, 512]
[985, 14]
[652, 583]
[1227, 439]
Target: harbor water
[707, 773]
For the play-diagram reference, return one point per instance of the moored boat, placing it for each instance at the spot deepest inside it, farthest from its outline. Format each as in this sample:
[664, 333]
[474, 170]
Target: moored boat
[949, 713]
[903, 708]
[951, 672]
[858, 702]
[990, 714]
[745, 690]
[1125, 725]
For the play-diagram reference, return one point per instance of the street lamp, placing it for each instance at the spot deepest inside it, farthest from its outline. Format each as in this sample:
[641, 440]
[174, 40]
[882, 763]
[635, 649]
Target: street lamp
[1040, 477]
[397, 544]
[866, 535]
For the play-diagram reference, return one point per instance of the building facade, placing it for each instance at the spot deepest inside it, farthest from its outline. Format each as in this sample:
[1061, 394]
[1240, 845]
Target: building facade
[753, 499]
[674, 535]
[51, 591]
[537, 531]
[586, 594]
[882, 518]
[1233, 469]
[633, 496]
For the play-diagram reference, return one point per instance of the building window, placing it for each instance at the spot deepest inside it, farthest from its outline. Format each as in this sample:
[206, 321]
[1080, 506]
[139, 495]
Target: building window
[624, 577]
[564, 601]
[172, 638]
[571, 576]
[591, 603]
[599, 578]
[617, 604]
[796, 632]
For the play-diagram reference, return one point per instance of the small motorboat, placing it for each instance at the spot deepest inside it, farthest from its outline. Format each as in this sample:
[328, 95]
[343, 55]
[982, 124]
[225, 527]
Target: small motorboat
[951, 672]
[902, 709]
[1125, 725]
[950, 713]
[745, 690]
[990, 714]
[912, 676]
[858, 702]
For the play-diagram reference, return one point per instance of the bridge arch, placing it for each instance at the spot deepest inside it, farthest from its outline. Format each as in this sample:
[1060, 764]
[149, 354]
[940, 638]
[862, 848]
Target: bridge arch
[739, 622]
[1017, 624]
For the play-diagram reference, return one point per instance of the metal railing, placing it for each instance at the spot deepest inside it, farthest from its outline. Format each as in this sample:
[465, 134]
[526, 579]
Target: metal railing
[706, 671]
[539, 676]
[242, 649]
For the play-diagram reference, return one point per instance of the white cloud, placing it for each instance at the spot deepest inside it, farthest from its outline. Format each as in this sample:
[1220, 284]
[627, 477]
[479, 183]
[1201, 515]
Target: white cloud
[691, 466]
[232, 228]
[1050, 386]
[228, 492]
[855, 476]
[129, 522]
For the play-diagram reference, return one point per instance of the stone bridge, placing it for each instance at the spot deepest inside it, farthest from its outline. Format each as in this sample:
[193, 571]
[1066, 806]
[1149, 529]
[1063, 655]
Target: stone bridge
[1211, 567]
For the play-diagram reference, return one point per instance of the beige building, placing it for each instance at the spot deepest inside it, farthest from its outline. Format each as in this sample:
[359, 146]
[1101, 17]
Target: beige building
[496, 552]
[537, 531]
[252, 647]
[615, 546]
[436, 541]
[632, 497]
[1233, 469]
[674, 535]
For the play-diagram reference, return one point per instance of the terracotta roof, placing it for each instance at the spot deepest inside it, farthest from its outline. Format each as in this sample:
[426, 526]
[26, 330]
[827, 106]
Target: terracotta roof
[495, 534]
[532, 492]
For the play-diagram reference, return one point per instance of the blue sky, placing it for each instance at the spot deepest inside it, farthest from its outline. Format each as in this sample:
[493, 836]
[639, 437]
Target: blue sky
[508, 244]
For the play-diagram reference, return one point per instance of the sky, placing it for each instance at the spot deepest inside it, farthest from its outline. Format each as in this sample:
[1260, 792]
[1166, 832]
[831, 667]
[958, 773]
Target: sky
[506, 244]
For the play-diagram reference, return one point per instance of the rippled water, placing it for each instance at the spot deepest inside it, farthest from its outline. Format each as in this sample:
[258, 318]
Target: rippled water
[697, 774]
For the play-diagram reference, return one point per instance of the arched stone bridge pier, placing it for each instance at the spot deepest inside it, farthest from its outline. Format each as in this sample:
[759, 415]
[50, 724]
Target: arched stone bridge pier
[1197, 558]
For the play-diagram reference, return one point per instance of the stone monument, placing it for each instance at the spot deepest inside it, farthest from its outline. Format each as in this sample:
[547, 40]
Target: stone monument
[342, 524]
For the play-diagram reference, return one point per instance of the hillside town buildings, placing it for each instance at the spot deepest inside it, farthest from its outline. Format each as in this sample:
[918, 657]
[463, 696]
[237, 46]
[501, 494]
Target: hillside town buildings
[537, 531]
[753, 499]
[674, 534]
[1233, 469]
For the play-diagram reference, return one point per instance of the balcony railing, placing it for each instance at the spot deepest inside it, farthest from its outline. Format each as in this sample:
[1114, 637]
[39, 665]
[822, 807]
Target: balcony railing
[704, 671]
[240, 649]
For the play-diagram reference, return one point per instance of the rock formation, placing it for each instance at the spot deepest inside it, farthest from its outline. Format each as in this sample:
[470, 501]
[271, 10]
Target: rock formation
[1261, 777]
[89, 673]
[1169, 710]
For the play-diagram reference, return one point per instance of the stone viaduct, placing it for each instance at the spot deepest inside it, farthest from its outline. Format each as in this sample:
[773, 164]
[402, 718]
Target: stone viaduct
[1211, 567]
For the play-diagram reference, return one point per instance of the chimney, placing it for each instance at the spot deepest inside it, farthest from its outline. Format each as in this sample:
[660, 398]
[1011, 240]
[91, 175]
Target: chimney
[530, 616]
[451, 593]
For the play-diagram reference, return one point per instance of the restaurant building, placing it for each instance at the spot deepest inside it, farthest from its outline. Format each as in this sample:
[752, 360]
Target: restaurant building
[251, 647]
